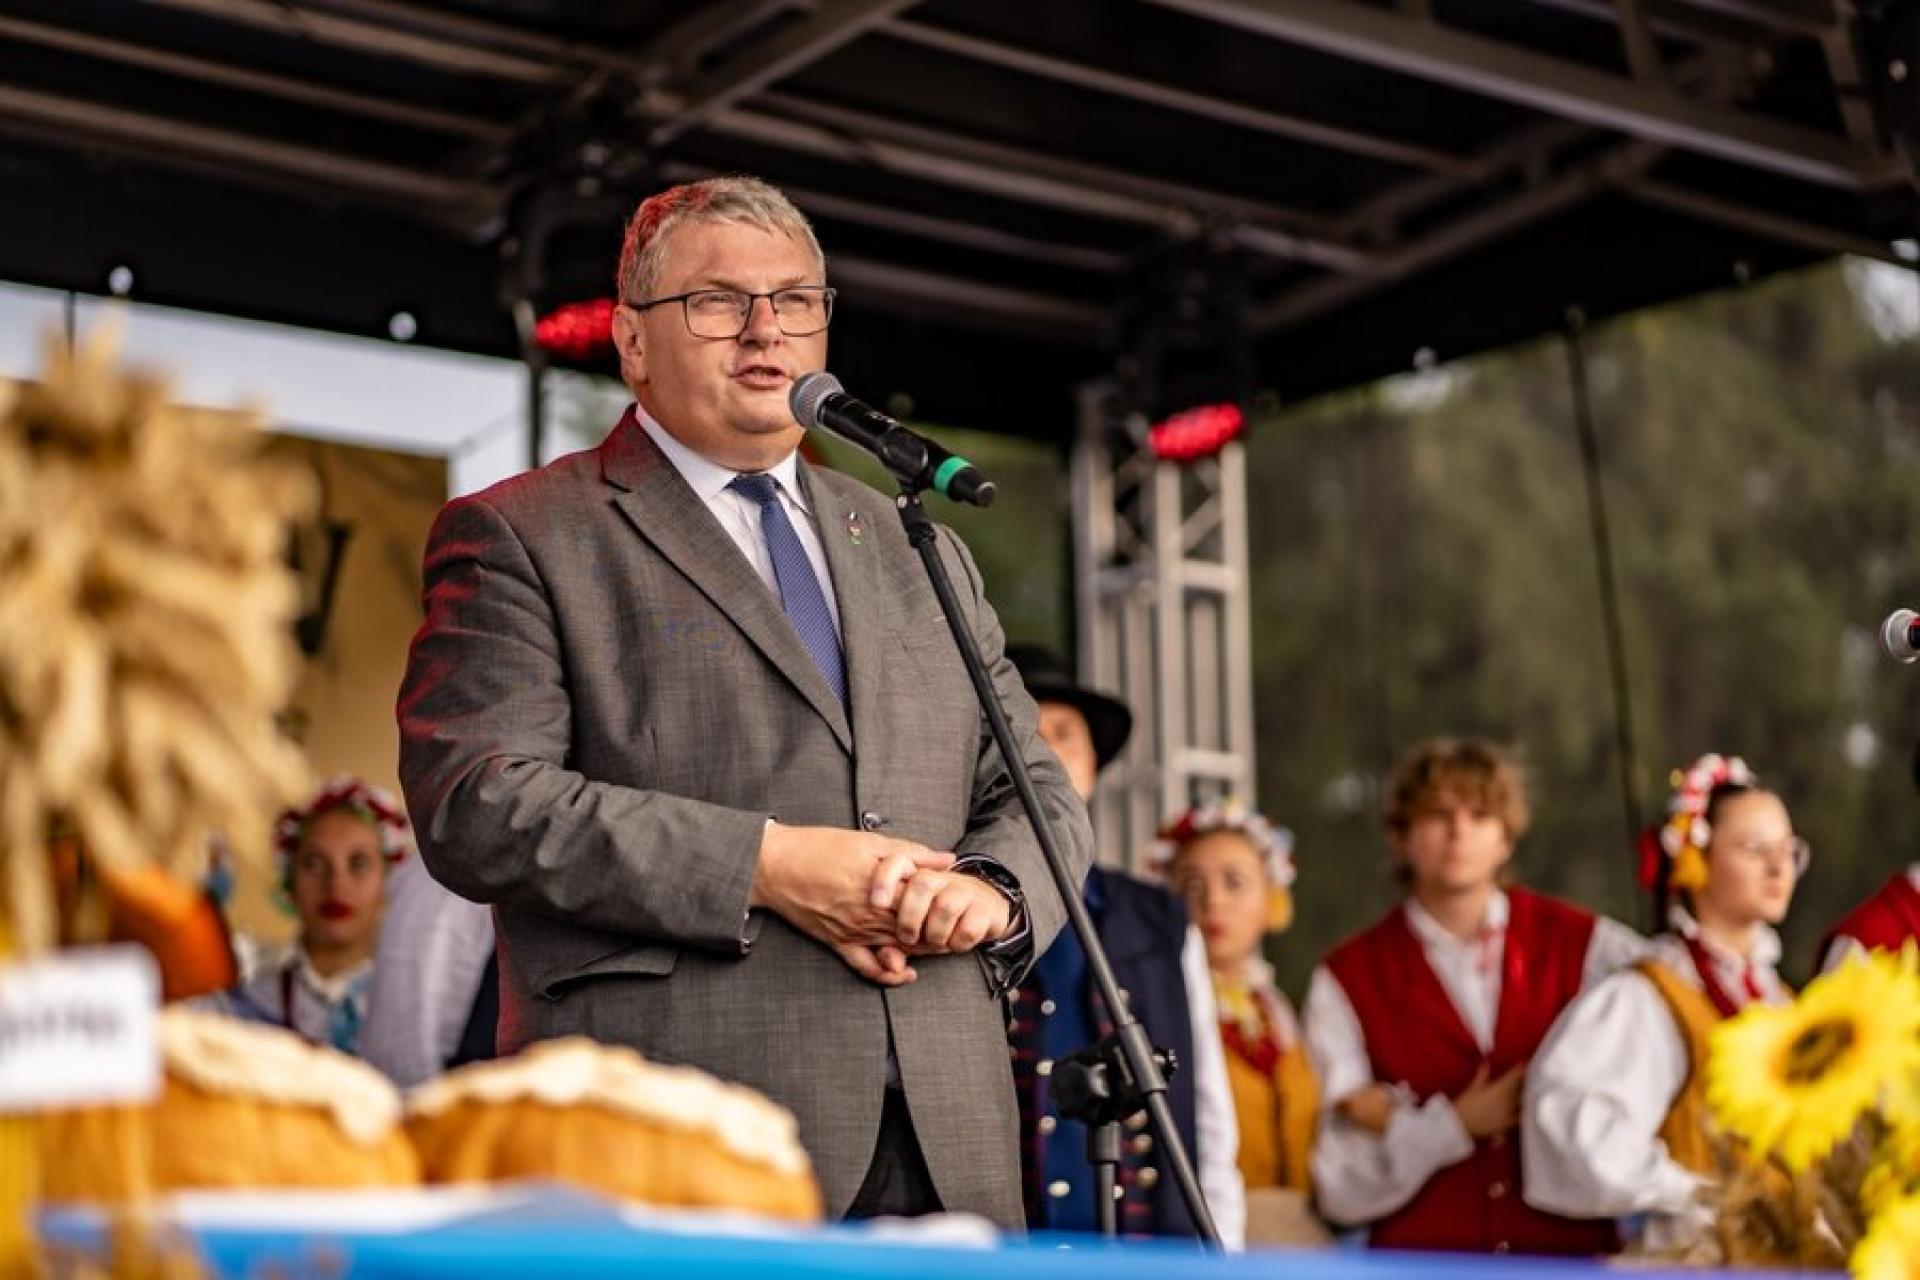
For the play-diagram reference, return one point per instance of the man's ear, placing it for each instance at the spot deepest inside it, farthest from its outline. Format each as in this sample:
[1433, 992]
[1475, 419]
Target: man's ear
[629, 345]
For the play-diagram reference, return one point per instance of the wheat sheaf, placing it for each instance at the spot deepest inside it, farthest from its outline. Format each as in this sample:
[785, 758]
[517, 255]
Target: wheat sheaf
[145, 632]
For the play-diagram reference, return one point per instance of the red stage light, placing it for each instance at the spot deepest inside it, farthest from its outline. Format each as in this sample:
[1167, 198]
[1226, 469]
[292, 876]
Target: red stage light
[577, 330]
[1195, 433]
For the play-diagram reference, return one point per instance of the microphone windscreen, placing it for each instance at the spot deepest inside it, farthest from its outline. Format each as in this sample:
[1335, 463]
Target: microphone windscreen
[810, 391]
[1896, 635]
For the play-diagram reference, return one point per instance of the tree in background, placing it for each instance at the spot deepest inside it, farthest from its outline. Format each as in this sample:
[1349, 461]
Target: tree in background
[1423, 565]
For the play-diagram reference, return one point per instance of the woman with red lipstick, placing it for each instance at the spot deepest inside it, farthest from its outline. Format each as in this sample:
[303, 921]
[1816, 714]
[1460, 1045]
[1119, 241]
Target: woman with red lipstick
[335, 852]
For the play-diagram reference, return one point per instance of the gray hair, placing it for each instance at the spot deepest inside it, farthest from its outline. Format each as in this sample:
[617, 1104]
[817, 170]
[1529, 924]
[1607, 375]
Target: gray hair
[728, 199]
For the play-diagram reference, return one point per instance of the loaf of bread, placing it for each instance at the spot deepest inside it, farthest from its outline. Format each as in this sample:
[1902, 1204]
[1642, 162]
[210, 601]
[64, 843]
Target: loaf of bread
[607, 1119]
[243, 1106]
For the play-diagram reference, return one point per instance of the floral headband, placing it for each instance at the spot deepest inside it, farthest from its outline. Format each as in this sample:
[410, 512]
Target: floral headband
[374, 805]
[1683, 839]
[1273, 844]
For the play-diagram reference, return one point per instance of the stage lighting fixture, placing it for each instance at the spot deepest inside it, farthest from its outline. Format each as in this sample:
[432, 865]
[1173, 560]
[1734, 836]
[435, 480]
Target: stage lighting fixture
[576, 330]
[1196, 433]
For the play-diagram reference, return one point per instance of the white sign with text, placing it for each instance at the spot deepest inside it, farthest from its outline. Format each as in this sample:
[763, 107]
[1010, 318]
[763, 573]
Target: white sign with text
[79, 1028]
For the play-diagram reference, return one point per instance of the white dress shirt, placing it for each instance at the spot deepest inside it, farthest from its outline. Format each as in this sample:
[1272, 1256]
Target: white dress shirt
[1600, 1088]
[1360, 1176]
[1215, 1124]
[739, 515]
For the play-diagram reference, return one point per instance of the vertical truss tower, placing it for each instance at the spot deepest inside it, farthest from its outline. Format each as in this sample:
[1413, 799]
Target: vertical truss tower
[1161, 569]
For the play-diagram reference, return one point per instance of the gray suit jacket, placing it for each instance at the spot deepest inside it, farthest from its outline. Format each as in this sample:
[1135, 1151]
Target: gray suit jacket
[602, 709]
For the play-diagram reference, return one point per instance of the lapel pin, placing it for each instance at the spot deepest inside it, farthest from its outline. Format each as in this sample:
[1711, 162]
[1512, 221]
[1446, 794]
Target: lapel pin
[855, 530]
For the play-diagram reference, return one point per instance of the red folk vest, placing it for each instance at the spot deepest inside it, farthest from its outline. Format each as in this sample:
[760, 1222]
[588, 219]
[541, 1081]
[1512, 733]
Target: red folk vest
[1883, 922]
[1415, 1035]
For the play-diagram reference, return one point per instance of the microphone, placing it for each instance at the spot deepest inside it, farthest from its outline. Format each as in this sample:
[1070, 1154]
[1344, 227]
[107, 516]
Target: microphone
[818, 400]
[1900, 634]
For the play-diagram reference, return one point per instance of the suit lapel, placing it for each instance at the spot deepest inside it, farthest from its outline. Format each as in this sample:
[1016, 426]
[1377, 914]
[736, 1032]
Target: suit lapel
[855, 567]
[668, 514]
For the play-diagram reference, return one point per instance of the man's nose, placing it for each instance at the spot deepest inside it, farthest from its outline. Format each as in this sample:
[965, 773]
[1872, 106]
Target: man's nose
[762, 324]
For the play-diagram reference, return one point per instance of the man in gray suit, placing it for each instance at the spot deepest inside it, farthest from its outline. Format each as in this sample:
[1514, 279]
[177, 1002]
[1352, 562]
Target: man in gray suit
[685, 711]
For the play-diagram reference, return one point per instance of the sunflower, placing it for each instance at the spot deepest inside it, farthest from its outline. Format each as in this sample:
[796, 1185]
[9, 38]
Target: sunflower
[1894, 1171]
[146, 637]
[1793, 1081]
[1891, 1249]
[1901, 1106]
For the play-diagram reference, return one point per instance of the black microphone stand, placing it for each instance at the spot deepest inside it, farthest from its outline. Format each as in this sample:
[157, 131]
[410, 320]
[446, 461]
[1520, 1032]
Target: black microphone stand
[1122, 1073]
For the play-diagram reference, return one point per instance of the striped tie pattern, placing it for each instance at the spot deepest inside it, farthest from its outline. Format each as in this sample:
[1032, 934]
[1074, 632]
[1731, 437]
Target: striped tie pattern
[800, 593]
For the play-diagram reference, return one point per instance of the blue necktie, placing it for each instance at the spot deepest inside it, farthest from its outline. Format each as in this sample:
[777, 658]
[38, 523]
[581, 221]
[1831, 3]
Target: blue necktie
[800, 593]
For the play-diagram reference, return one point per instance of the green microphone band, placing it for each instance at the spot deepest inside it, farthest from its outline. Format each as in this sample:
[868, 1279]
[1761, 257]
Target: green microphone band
[948, 470]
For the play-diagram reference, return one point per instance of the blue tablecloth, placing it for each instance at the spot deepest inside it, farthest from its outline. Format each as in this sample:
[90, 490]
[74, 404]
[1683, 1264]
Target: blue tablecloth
[555, 1232]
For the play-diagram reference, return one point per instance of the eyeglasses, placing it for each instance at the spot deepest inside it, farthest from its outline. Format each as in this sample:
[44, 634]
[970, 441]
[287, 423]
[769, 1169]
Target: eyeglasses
[801, 310]
[1796, 851]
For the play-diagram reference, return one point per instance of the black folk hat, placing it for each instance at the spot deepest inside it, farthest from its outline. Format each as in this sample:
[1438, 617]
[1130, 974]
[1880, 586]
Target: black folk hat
[1047, 679]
